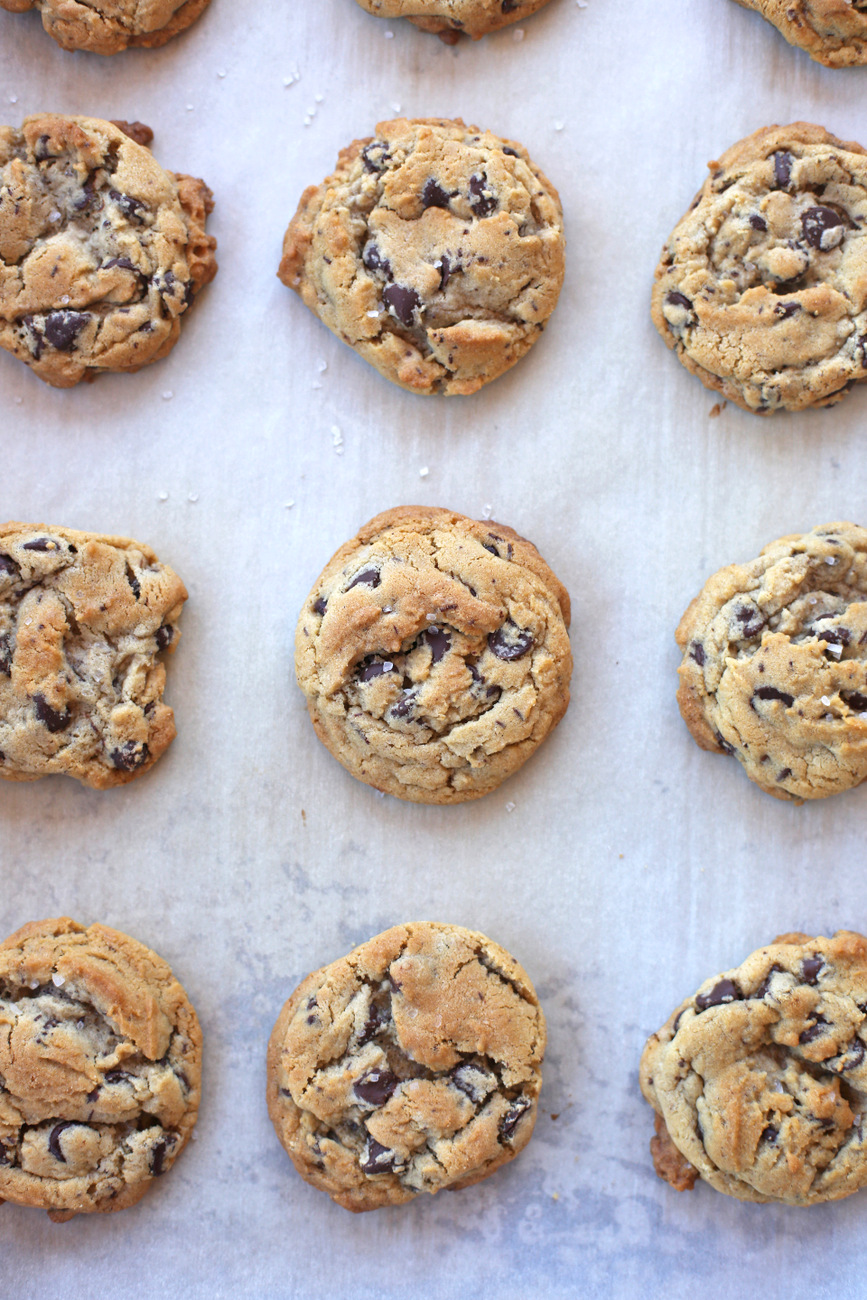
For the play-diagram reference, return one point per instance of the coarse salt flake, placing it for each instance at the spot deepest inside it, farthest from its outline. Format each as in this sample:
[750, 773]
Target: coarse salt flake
[830, 559]
[168, 395]
[518, 34]
[510, 807]
[487, 511]
[55, 215]
[836, 650]
[58, 980]
[559, 124]
[826, 701]
[423, 472]
[389, 36]
[162, 496]
[194, 496]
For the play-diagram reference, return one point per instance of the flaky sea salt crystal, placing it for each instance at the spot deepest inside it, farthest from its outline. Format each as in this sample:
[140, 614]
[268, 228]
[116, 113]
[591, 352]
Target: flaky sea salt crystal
[829, 559]
[58, 980]
[510, 807]
[825, 701]
[423, 472]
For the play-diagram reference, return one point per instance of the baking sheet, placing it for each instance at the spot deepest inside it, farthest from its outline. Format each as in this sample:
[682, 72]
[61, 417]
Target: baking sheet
[622, 865]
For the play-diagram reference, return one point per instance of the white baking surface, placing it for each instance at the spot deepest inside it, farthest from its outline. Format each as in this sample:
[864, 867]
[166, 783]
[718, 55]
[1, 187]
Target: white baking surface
[622, 866]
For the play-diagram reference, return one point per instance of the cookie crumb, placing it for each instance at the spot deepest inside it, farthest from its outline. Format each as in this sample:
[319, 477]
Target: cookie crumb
[716, 410]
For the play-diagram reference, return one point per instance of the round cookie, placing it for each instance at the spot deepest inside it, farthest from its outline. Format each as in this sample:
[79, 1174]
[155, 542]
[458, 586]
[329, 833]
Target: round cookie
[100, 1068]
[435, 250]
[452, 18]
[833, 32]
[434, 654]
[775, 663]
[107, 26]
[410, 1065]
[101, 250]
[762, 287]
[759, 1081]
[84, 621]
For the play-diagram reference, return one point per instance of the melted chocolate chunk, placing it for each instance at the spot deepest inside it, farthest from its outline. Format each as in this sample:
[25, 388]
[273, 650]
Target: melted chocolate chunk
[836, 635]
[401, 302]
[677, 299]
[376, 1018]
[50, 718]
[447, 269]
[786, 309]
[163, 636]
[513, 153]
[115, 1076]
[320, 605]
[41, 150]
[509, 645]
[782, 169]
[368, 578]
[41, 544]
[374, 261]
[6, 656]
[810, 968]
[771, 693]
[770, 1135]
[54, 1139]
[158, 1155]
[376, 1087]
[132, 755]
[509, 1122]
[406, 705]
[8, 565]
[757, 222]
[813, 1031]
[724, 744]
[439, 642]
[131, 208]
[696, 652]
[823, 227]
[62, 328]
[380, 1160]
[434, 196]
[133, 582]
[374, 669]
[374, 156]
[123, 262]
[482, 202]
[851, 1058]
[855, 700]
[723, 992]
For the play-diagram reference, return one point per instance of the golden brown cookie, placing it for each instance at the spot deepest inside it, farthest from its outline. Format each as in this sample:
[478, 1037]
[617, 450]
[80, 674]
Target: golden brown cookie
[833, 32]
[435, 250]
[759, 1081]
[107, 26]
[774, 664]
[101, 250]
[454, 18]
[84, 623]
[410, 1065]
[100, 1068]
[434, 654]
[762, 287]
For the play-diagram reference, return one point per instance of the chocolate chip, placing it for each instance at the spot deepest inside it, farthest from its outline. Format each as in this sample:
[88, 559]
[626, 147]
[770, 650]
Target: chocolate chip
[41, 544]
[771, 693]
[41, 150]
[513, 153]
[123, 262]
[786, 772]
[158, 1155]
[131, 755]
[115, 1076]
[434, 196]
[509, 645]
[509, 1122]
[723, 992]
[49, 717]
[508, 6]
[320, 605]
[401, 302]
[133, 582]
[724, 744]
[374, 261]
[697, 653]
[439, 642]
[462, 1077]
[677, 299]
[374, 669]
[63, 327]
[8, 565]
[836, 635]
[447, 269]
[6, 656]
[852, 1058]
[757, 222]
[380, 1160]
[405, 705]
[374, 156]
[163, 636]
[823, 227]
[814, 1031]
[855, 700]
[782, 169]
[810, 968]
[130, 207]
[481, 201]
[54, 1139]
[368, 578]
[786, 309]
[770, 1135]
[376, 1087]
[376, 1018]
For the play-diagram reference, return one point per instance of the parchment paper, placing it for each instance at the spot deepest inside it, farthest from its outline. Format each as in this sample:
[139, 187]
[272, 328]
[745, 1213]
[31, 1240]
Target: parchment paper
[632, 865]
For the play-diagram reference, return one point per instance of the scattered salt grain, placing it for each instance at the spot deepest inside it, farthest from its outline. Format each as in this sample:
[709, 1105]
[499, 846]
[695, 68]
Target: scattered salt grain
[558, 125]
[389, 36]
[826, 701]
[27, 622]
[322, 367]
[58, 980]
[387, 666]
[319, 98]
[289, 505]
[518, 34]
[54, 216]
[396, 107]
[337, 439]
[510, 807]
[835, 650]
[13, 99]
[168, 395]
[487, 511]
[423, 472]
[221, 72]
[373, 314]
[829, 559]
[194, 496]
[386, 609]
[380, 794]
[64, 300]
[189, 108]
[162, 496]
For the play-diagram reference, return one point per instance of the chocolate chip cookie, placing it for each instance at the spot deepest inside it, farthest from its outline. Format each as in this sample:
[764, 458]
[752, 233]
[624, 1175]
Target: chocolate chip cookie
[435, 250]
[762, 287]
[84, 623]
[833, 32]
[107, 26]
[759, 1081]
[101, 250]
[434, 654]
[775, 663]
[410, 1065]
[452, 18]
[100, 1068]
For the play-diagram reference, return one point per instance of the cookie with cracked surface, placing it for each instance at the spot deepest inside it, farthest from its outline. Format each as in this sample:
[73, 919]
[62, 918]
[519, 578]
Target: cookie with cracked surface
[434, 654]
[435, 250]
[84, 622]
[762, 287]
[108, 26]
[410, 1065]
[450, 19]
[101, 250]
[774, 664]
[759, 1081]
[833, 32]
[100, 1068]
